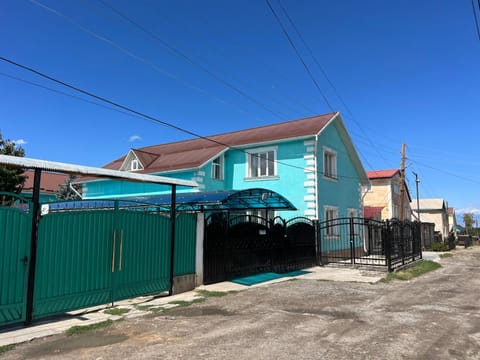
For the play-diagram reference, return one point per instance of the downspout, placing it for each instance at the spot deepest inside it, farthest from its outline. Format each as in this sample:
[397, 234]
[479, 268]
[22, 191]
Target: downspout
[315, 169]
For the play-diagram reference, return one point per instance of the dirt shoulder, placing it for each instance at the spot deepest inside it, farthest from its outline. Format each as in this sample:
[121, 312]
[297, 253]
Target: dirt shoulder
[435, 316]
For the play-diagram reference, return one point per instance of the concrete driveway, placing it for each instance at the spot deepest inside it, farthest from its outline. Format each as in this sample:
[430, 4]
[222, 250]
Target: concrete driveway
[435, 316]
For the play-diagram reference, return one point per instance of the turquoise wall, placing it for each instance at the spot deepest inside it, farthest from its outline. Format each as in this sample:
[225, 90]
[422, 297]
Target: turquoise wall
[104, 189]
[290, 178]
[343, 192]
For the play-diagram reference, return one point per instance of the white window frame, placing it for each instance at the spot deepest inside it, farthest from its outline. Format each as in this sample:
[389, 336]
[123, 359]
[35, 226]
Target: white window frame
[254, 156]
[135, 165]
[329, 167]
[332, 232]
[218, 168]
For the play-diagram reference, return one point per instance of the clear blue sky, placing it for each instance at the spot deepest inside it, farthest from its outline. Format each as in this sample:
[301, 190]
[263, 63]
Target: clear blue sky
[407, 71]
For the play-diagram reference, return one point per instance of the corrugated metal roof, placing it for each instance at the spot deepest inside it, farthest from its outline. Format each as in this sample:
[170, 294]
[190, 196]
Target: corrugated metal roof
[91, 171]
[429, 204]
[49, 183]
[382, 174]
[194, 153]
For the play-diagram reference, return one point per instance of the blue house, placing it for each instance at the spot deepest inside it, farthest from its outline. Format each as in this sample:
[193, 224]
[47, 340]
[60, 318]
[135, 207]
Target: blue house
[312, 162]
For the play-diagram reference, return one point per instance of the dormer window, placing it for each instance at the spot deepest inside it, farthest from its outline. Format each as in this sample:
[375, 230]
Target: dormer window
[131, 163]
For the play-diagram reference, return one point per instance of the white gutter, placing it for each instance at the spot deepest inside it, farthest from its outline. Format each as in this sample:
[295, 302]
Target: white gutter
[89, 170]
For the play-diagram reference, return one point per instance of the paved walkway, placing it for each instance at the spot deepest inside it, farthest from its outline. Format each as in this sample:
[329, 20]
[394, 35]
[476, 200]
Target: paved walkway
[98, 314]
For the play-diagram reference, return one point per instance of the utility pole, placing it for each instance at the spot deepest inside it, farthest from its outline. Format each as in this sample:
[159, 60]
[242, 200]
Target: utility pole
[402, 184]
[417, 181]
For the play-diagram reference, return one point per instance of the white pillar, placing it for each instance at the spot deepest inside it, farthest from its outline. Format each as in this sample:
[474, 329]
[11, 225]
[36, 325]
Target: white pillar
[199, 249]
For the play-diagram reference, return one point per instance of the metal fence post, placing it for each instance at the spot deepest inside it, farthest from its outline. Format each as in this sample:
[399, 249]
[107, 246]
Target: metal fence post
[387, 239]
[318, 245]
[33, 245]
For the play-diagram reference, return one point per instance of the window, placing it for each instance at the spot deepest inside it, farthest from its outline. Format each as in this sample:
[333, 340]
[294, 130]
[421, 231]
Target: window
[217, 168]
[134, 165]
[329, 163]
[331, 213]
[396, 188]
[396, 212]
[261, 163]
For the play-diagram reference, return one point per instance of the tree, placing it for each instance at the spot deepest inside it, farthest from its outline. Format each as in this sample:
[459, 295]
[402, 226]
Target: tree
[468, 220]
[65, 191]
[11, 178]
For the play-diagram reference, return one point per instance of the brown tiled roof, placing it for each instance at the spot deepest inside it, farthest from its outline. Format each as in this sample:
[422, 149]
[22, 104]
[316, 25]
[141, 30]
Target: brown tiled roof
[49, 182]
[194, 153]
[382, 174]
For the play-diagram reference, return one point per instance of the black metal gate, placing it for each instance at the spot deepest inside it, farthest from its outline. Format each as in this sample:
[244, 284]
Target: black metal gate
[361, 241]
[246, 244]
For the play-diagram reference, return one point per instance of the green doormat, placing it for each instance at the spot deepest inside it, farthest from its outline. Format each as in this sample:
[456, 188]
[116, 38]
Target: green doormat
[263, 277]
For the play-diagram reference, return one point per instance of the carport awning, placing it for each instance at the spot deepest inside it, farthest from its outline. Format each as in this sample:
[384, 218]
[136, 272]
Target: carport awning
[223, 200]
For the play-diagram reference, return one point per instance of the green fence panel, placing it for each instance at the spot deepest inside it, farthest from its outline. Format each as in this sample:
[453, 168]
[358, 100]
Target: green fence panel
[142, 254]
[185, 244]
[74, 261]
[15, 237]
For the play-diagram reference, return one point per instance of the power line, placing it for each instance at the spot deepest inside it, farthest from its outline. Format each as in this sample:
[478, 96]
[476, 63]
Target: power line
[149, 117]
[146, 61]
[186, 57]
[292, 23]
[477, 26]
[292, 44]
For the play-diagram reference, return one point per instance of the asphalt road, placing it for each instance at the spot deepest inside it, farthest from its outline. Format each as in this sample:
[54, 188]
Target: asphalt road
[435, 316]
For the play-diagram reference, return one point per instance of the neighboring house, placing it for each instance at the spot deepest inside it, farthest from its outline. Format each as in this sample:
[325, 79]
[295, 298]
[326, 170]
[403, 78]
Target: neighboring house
[386, 192]
[312, 162]
[433, 211]
[452, 220]
[49, 185]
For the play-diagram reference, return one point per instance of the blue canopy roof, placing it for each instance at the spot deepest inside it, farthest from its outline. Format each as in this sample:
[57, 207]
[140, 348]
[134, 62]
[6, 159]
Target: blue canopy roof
[222, 200]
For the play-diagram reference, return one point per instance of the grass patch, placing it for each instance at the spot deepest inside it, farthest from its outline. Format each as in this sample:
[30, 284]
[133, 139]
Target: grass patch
[208, 293]
[413, 271]
[116, 311]
[446, 255]
[183, 303]
[151, 308]
[5, 348]
[79, 329]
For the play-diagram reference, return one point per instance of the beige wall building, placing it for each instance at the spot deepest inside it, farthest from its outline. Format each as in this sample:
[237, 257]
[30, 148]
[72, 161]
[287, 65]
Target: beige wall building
[386, 193]
[434, 211]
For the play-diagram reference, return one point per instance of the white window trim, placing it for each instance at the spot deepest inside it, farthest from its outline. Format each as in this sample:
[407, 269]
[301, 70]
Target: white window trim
[335, 233]
[131, 159]
[221, 165]
[335, 170]
[249, 152]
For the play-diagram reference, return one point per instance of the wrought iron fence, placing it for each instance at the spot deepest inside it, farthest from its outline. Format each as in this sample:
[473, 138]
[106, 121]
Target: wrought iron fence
[360, 241]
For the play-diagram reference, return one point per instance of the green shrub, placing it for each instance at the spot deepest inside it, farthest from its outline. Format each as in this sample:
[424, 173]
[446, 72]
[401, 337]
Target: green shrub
[439, 246]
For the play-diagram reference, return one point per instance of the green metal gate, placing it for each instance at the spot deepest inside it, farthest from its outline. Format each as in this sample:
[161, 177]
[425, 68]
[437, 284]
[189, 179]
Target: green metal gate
[89, 257]
[15, 237]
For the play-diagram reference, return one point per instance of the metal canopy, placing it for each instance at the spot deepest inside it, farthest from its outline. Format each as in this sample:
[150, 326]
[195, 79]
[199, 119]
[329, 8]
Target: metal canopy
[223, 200]
[88, 170]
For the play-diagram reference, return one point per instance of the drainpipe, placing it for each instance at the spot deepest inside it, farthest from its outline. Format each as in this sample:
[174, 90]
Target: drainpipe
[315, 168]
